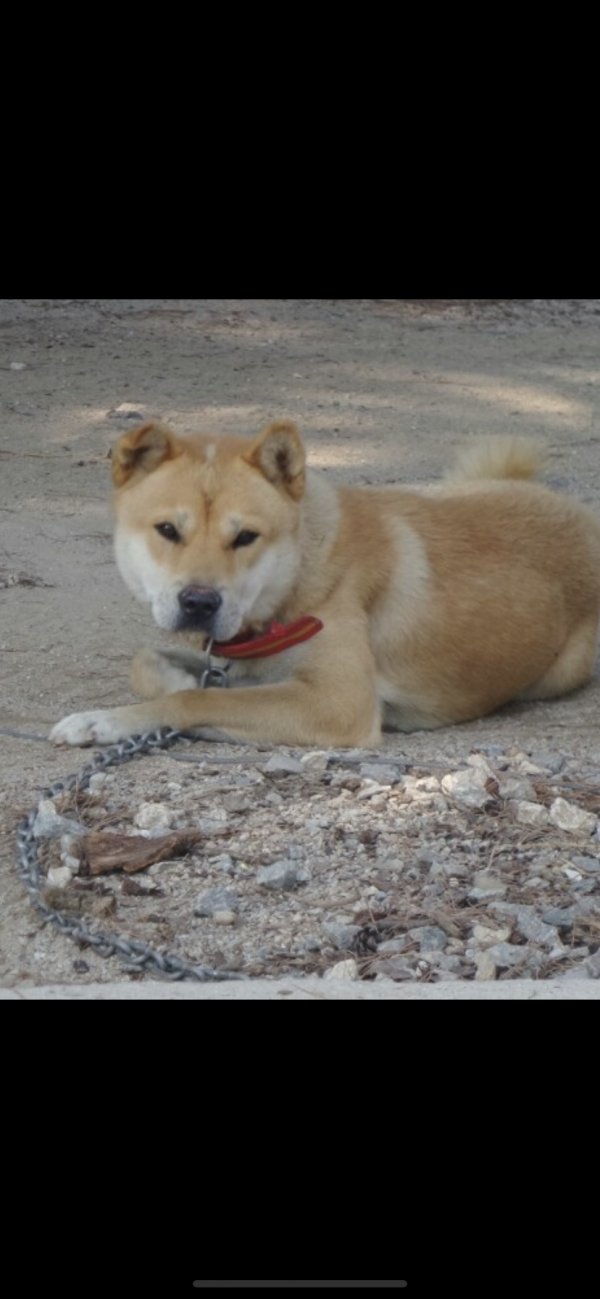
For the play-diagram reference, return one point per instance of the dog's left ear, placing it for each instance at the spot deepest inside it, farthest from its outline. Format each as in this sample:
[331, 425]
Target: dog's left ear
[144, 448]
[279, 454]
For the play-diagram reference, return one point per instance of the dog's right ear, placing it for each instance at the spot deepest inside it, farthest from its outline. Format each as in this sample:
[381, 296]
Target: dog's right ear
[142, 450]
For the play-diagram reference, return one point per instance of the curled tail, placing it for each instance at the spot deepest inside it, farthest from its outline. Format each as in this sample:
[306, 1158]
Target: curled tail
[499, 457]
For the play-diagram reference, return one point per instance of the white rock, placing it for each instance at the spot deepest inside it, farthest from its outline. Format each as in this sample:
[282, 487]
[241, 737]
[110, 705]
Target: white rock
[486, 885]
[371, 787]
[388, 775]
[126, 410]
[97, 781]
[342, 970]
[467, 787]
[153, 816]
[59, 876]
[482, 934]
[282, 875]
[527, 813]
[481, 765]
[570, 873]
[523, 763]
[485, 967]
[572, 819]
[317, 760]
[283, 763]
[427, 785]
[516, 787]
[18, 365]
[49, 825]
[224, 917]
[72, 863]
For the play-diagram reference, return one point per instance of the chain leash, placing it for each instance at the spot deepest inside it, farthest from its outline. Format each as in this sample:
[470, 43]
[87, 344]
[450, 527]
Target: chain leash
[136, 955]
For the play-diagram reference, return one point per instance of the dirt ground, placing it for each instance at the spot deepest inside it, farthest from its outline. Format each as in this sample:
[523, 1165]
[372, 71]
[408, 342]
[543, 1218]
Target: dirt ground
[384, 390]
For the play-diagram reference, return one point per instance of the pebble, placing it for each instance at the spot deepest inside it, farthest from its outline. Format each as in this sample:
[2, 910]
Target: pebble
[153, 816]
[518, 788]
[17, 365]
[224, 917]
[340, 935]
[60, 876]
[548, 762]
[397, 969]
[370, 788]
[317, 761]
[528, 813]
[223, 862]
[585, 863]
[216, 900]
[214, 824]
[97, 781]
[587, 969]
[281, 763]
[527, 922]
[467, 788]
[377, 771]
[342, 970]
[310, 944]
[505, 954]
[452, 868]
[49, 825]
[524, 764]
[572, 819]
[72, 863]
[560, 917]
[282, 875]
[429, 937]
[485, 967]
[482, 934]
[394, 944]
[486, 886]
[125, 411]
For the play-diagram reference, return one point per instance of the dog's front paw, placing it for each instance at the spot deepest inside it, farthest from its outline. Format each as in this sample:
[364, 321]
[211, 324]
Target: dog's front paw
[100, 727]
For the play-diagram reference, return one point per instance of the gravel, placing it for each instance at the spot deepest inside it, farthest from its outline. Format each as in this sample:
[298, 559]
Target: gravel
[341, 866]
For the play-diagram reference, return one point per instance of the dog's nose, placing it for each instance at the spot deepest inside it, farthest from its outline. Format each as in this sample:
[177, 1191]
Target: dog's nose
[200, 602]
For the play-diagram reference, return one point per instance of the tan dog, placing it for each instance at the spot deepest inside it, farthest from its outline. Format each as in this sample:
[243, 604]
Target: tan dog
[435, 608]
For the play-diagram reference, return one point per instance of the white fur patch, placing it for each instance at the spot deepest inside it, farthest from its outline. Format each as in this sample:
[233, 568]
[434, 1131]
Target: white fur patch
[148, 581]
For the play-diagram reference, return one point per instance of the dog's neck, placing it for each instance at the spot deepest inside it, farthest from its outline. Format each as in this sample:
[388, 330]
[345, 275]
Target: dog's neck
[319, 526]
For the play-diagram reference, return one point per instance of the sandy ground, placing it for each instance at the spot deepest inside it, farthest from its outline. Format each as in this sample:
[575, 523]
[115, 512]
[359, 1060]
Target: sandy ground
[384, 391]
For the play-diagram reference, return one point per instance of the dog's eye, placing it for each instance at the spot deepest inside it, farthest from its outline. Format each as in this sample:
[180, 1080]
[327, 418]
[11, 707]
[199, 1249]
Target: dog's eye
[244, 538]
[168, 530]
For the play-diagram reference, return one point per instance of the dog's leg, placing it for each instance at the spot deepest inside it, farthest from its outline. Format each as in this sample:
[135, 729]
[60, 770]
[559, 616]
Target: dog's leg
[573, 666]
[163, 672]
[337, 709]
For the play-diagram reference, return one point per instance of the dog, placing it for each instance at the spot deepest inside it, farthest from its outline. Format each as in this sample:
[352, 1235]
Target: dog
[329, 612]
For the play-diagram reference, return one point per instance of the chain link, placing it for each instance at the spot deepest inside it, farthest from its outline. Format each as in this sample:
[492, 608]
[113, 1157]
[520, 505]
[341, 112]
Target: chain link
[136, 955]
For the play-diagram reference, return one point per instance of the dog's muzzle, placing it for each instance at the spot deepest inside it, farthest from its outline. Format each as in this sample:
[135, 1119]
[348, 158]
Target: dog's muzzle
[199, 607]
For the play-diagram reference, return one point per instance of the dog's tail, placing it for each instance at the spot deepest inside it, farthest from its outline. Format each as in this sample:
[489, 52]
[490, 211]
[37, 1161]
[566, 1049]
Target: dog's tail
[499, 457]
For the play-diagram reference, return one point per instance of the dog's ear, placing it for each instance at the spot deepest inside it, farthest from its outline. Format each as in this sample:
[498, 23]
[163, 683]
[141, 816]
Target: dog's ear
[143, 449]
[279, 454]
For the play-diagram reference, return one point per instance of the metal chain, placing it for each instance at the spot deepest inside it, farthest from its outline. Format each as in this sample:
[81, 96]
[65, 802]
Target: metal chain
[137, 955]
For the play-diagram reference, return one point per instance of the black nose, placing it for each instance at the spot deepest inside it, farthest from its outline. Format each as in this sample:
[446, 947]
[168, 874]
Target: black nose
[200, 603]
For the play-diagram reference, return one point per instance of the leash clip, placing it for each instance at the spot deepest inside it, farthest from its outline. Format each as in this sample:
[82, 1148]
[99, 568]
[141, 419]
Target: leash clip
[213, 675]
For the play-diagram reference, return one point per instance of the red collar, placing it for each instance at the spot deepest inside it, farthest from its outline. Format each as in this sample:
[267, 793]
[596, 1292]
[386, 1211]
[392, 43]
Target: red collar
[279, 636]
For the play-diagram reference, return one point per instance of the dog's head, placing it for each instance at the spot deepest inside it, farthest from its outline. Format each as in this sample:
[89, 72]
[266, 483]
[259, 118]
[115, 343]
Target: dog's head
[207, 529]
